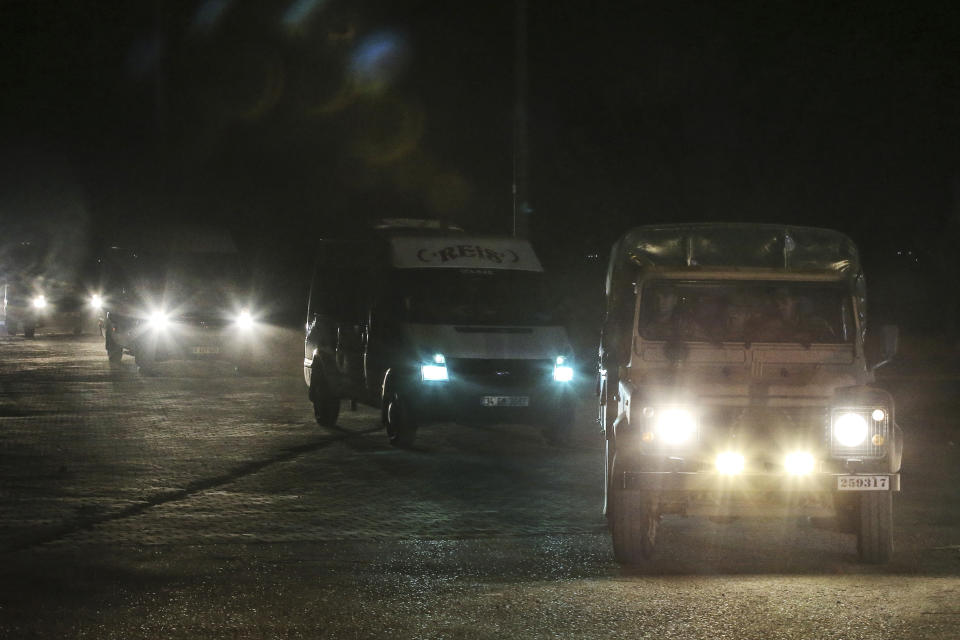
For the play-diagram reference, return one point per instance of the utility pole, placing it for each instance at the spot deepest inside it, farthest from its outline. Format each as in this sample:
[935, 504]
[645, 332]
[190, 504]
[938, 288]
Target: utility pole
[521, 204]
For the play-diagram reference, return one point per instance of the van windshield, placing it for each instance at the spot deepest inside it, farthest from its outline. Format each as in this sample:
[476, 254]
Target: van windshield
[474, 297]
[784, 312]
[179, 275]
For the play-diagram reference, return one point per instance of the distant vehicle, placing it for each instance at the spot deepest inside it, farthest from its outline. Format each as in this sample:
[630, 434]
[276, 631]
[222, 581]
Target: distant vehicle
[34, 294]
[184, 294]
[733, 381]
[427, 324]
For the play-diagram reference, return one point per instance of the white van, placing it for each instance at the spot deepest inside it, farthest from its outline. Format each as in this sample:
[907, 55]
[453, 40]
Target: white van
[434, 325]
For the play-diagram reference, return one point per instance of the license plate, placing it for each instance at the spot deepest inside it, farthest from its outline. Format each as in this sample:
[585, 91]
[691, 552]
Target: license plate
[863, 483]
[505, 401]
[205, 350]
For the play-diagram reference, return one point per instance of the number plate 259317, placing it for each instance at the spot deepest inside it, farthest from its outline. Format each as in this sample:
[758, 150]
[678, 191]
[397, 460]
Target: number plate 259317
[863, 483]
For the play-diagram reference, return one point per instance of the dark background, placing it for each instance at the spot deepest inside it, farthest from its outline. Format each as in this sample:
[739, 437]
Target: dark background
[288, 121]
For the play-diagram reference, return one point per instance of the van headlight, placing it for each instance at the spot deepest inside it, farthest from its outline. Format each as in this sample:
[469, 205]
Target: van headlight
[96, 301]
[158, 320]
[673, 425]
[244, 320]
[39, 302]
[435, 370]
[562, 370]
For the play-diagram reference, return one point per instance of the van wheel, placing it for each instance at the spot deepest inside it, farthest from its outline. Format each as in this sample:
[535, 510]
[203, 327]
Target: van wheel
[633, 523]
[875, 533]
[29, 331]
[326, 406]
[400, 421]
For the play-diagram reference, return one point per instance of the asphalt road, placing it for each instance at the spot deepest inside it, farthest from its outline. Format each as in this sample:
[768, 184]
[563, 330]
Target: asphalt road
[201, 504]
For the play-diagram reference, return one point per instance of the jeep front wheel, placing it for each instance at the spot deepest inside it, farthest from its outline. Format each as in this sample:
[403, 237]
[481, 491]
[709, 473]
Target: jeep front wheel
[633, 522]
[875, 532]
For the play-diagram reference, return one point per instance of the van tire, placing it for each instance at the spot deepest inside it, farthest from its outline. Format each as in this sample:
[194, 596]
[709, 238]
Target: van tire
[326, 406]
[400, 422]
[875, 533]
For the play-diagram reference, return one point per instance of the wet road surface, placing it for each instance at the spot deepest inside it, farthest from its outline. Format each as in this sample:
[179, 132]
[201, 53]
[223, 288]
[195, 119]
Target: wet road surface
[199, 504]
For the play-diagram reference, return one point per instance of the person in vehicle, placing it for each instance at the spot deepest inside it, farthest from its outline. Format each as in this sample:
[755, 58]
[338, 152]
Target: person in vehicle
[672, 319]
[792, 320]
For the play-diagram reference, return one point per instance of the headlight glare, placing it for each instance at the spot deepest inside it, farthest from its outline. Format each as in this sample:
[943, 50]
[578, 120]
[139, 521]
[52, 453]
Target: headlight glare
[730, 463]
[96, 301]
[244, 319]
[850, 429]
[674, 426]
[799, 463]
[562, 371]
[436, 370]
[39, 302]
[158, 320]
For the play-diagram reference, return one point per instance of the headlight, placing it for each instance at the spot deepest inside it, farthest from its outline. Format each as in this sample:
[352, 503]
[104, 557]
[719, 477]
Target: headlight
[730, 463]
[435, 370]
[562, 371]
[158, 320]
[799, 463]
[244, 319]
[39, 302]
[96, 301]
[850, 429]
[674, 426]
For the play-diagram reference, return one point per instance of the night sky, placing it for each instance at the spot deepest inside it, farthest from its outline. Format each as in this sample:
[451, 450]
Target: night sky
[292, 120]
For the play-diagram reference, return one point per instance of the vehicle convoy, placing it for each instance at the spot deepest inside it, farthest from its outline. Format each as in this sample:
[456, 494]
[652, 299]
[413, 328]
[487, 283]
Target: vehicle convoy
[182, 294]
[734, 382]
[428, 323]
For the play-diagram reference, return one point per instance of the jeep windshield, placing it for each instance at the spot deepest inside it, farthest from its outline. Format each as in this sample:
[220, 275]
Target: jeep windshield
[475, 297]
[778, 312]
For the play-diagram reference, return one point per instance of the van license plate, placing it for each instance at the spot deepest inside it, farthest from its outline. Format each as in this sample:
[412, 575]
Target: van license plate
[863, 483]
[505, 401]
[206, 350]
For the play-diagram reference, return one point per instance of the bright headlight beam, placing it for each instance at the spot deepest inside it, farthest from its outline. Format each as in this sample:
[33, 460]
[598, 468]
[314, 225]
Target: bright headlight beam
[96, 301]
[158, 320]
[675, 426]
[39, 302]
[245, 319]
[730, 463]
[436, 370]
[850, 429]
[799, 463]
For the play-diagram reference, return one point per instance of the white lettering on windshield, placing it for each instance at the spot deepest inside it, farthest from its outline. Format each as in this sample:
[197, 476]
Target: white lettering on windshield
[455, 252]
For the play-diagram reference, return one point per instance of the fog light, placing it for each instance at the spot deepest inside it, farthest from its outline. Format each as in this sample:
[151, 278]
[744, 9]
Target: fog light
[730, 463]
[877, 440]
[878, 415]
[799, 463]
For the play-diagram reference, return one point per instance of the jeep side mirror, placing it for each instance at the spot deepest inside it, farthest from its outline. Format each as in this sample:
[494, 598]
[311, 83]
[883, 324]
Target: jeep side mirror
[891, 339]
